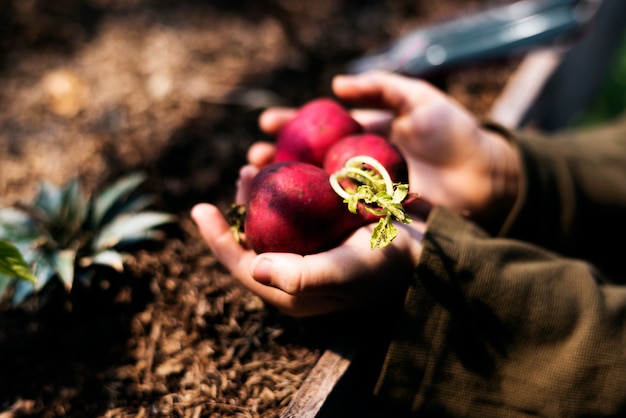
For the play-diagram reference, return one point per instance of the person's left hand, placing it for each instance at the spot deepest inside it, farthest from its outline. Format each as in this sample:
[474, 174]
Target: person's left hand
[347, 276]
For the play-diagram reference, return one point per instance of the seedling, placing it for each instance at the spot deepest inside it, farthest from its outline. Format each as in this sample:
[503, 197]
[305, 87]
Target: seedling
[63, 234]
[13, 265]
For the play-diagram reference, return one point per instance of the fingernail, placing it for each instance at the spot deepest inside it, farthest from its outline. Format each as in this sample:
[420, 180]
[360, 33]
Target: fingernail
[261, 270]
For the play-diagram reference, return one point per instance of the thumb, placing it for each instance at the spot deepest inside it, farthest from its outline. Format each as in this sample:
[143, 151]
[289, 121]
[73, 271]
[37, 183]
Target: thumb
[346, 269]
[292, 273]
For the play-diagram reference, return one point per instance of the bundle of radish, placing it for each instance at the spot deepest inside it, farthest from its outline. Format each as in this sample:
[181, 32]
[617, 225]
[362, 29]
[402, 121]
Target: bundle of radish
[323, 162]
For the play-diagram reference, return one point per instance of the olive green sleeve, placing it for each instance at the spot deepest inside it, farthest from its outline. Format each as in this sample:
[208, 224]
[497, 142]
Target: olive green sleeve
[531, 322]
[498, 327]
[573, 194]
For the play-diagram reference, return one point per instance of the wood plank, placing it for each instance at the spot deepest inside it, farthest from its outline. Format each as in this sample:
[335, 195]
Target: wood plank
[314, 391]
[524, 86]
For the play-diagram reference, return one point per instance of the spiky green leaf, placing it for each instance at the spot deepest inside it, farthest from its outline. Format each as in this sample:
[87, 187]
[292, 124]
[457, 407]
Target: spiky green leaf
[12, 263]
[109, 258]
[44, 270]
[133, 204]
[74, 206]
[107, 201]
[139, 237]
[17, 225]
[48, 200]
[5, 282]
[63, 262]
[129, 226]
[21, 290]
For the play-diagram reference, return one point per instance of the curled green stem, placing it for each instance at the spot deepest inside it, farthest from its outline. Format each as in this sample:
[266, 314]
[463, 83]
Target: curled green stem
[378, 194]
[355, 166]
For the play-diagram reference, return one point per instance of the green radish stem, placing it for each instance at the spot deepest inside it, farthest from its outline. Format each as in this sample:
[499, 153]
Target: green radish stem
[373, 187]
[355, 165]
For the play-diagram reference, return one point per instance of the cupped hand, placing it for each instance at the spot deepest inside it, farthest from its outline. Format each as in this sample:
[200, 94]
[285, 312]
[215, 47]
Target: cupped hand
[452, 161]
[348, 276]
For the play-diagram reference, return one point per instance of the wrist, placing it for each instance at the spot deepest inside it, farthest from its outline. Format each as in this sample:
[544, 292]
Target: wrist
[410, 239]
[504, 176]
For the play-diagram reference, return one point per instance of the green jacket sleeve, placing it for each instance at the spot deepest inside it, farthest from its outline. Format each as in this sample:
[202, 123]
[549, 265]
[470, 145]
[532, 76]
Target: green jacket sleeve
[524, 324]
[573, 194]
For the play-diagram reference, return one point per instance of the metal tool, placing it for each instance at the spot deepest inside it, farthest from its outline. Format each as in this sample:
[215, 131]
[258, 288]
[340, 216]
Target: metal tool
[485, 34]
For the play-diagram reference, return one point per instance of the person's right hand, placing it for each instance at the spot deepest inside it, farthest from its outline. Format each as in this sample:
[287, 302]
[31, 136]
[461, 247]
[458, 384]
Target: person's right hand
[452, 160]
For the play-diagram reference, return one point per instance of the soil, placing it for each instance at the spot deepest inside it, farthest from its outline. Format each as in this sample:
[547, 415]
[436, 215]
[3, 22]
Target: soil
[96, 89]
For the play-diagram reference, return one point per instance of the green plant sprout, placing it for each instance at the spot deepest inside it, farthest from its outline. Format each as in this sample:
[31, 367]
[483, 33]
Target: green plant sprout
[62, 233]
[13, 265]
[378, 194]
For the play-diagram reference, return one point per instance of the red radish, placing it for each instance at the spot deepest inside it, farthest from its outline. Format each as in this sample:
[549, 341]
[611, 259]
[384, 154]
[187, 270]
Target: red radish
[292, 208]
[317, 125]
[373, 145]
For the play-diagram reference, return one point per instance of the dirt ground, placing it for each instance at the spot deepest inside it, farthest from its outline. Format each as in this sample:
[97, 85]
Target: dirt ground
[100, 88]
